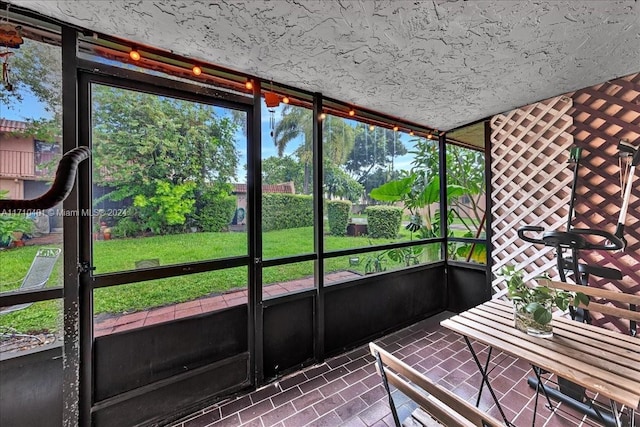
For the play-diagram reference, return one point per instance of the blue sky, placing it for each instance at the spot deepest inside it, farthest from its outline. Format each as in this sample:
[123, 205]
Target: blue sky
[31, 108]
[268, 148]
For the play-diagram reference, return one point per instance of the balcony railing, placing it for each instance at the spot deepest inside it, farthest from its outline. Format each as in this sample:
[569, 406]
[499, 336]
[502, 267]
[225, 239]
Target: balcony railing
[27, 164]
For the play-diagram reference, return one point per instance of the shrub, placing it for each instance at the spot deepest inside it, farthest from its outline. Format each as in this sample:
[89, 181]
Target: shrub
[128, 226]
[215, 213]
[214, 209]
[10, 224]
[167, 207]
[280, 211]
[338, 213]
[383, 222]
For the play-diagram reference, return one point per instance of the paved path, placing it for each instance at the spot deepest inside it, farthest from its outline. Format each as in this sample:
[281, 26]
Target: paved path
[152, 316]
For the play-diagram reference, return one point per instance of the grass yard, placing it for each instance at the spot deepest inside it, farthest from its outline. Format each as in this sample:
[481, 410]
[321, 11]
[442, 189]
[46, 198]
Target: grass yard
[121, 254]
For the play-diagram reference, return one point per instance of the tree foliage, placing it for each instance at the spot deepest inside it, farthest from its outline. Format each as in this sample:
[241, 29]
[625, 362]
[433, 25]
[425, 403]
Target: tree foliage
[465, 168]
[297, 122]
[373, 154]
[143, 143]
[465, 178]
[338, 183]
[420, 189]
[138, 138]
[36, 68]
[276, 170]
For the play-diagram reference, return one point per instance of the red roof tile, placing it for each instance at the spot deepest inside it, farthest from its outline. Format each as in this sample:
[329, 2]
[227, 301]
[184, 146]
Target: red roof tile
[286, 188]
[12, 125]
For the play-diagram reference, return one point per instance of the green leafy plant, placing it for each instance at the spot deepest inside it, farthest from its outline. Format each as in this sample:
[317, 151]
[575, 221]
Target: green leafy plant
[214, 208]
[10, 224]
[128, 226]
[383, 221]
[167, 207]
[418, 196]
[408, 256]
[338, 215]
[283, 211]
[538, 300]
[375, 263]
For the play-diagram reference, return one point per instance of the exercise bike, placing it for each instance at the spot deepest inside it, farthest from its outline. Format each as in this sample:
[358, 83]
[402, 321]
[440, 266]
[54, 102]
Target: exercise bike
[567, 245]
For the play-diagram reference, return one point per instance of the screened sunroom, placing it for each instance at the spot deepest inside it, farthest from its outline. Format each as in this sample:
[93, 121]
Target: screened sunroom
[274, 185]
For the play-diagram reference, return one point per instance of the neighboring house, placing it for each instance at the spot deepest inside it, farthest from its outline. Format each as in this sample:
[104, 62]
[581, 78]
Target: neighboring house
[27, 165]
[24, 161]
[240, 191]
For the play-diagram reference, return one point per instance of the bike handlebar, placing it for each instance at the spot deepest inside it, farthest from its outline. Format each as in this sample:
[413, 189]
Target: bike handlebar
[573, 239]
[534, 228]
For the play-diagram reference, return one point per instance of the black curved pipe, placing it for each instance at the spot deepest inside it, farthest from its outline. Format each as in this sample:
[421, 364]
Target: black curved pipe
[60, 189]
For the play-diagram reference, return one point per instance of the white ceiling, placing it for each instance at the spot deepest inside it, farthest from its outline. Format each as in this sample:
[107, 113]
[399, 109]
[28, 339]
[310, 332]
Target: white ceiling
[437, 63]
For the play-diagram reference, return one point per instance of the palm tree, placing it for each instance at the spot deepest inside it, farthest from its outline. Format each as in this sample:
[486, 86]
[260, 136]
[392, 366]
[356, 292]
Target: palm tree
[338, 138]
[296, 122]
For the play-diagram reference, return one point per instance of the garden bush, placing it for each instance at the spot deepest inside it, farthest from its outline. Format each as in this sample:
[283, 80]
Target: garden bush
[214, 210]
[166, 210]
[10, 224]
[281, 211]
[338, 213]
[383, 221]
[128, 226]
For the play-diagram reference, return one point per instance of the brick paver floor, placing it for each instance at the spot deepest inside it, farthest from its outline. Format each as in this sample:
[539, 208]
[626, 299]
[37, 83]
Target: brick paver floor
[346, 390]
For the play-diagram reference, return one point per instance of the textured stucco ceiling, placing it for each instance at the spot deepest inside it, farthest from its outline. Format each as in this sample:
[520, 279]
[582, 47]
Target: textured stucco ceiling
[437, 63]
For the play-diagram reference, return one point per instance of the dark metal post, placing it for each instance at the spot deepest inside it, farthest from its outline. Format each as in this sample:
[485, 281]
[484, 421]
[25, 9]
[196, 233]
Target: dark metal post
[488, 175]
[318, 208]
[254, 197]
[442, 171]
[74, 404]
[85, 257]
[574, 158]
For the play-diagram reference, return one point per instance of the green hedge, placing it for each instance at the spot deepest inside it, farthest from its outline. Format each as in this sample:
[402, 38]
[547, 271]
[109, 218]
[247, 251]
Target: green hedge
[281, 211]
[216, 210]
[338, 213]
[383, 222]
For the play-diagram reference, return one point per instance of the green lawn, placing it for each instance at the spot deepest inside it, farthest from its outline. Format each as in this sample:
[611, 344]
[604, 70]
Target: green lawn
[121, 254]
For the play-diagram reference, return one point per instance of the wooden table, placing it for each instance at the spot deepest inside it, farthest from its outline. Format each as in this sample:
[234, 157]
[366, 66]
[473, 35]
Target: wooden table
[598, 359]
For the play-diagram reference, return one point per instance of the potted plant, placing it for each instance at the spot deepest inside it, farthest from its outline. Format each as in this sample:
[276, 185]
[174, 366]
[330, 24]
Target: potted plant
[533, 305]
[12, 228]
[96, 231]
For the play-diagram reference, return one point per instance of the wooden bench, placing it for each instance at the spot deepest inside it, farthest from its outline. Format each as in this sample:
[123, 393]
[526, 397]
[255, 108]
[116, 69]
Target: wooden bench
[443, 405]
[631, 301]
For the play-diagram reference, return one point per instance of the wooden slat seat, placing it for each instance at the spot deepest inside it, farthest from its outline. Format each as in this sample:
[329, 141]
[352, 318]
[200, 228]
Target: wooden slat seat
[619, 297]
[443, 405]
